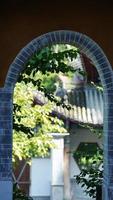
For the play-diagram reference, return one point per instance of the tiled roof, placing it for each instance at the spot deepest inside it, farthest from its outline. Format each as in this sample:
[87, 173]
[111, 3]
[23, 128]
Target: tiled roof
[87, 106]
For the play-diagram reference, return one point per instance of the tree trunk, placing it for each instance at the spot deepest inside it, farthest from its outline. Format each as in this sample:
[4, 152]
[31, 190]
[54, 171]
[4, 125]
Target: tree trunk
[99, 192]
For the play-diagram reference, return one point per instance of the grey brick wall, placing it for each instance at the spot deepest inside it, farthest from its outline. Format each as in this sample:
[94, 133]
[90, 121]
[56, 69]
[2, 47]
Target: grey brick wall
[95, 53]
[5, 143]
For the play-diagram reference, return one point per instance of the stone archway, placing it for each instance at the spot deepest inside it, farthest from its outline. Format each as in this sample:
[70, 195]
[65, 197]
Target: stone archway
[95, 53]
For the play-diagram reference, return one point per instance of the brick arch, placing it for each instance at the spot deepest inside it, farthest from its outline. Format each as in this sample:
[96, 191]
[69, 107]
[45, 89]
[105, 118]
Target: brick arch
[95, 53]
[83, 42]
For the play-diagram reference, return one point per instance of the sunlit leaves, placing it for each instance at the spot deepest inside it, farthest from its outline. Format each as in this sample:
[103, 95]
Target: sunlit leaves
[32, 124]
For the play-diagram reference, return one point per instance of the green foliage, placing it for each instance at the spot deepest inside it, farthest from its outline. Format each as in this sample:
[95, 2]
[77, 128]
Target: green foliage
[47, 60]
[90, 179]
[32, 124]
[48, 81]
[19, 195]
[87, 154]
[50, 60]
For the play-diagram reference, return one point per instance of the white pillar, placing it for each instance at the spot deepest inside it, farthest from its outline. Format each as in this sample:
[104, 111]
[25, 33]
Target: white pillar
[67, 187]
[57, 161]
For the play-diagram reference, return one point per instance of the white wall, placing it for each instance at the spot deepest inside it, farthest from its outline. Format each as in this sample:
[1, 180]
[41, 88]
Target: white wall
[41, 171]
[81, 135]
[40, 176]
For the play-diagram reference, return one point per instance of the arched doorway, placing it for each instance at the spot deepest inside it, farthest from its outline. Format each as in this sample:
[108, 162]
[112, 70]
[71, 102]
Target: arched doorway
[92, 51]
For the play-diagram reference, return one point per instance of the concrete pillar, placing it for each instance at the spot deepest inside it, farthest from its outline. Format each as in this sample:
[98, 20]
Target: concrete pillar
[57, 159]
[67, 188]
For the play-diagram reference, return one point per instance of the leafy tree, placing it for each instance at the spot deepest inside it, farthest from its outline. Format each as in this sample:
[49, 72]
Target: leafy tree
[50, 60]
[32, 123]
[48, 81]
[90, 179]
